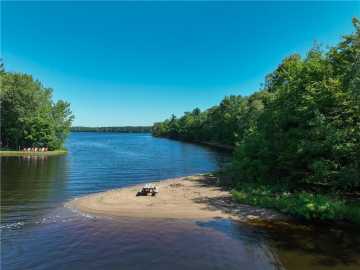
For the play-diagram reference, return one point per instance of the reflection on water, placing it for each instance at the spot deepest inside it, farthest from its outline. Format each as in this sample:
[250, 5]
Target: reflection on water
[37, 232]
[27, 182]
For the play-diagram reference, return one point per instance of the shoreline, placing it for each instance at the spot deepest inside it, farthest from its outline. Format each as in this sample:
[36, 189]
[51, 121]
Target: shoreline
[196, 197]
[214, 145]
[10, 153]
[223, 147]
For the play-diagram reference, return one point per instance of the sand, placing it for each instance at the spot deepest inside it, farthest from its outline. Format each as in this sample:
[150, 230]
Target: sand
[193, 197]
[12, 153]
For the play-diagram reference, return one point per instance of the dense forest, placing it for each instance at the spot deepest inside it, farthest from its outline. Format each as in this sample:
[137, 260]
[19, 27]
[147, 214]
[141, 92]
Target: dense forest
[301, 130]
[29, 117]
[123, 129]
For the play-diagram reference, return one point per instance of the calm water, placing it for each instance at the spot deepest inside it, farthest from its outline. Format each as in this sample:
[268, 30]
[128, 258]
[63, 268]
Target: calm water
[39, 233]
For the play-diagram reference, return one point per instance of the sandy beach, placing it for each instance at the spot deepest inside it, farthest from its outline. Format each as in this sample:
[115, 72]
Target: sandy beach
[12, 153]
[191, 197]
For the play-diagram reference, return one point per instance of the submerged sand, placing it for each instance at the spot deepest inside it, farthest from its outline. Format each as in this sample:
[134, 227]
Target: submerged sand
[192, 197]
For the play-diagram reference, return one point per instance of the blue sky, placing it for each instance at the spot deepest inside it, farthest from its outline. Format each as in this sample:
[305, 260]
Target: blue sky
[134, 63]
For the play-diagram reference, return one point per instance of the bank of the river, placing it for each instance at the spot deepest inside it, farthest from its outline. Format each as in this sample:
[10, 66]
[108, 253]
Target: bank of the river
[10, 153]
[310, 206]
[219, 146]
[191, 197]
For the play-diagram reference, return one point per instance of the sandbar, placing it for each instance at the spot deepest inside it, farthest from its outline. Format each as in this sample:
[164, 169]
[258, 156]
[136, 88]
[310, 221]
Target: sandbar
[191, 197]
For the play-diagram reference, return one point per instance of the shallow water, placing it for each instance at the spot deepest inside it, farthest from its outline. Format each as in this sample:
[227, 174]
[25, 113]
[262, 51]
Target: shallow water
[38, 232]
[90, 243]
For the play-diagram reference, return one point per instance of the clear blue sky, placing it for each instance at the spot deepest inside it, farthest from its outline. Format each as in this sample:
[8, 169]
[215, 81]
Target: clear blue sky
[123, 63]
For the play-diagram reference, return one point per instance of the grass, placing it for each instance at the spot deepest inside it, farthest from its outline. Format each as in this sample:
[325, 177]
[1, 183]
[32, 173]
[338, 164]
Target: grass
[12, 153]
[303, 204]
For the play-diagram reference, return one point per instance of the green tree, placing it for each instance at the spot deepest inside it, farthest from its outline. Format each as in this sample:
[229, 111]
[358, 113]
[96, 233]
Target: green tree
[309, 130]
[28, 115]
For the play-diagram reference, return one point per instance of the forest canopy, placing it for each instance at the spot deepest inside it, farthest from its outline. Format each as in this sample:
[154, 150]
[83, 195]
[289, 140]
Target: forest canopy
[302, 128]
[29, 117]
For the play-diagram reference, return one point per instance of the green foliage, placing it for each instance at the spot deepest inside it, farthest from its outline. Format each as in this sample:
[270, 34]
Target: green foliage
[300, 204]
[222, 124]
[309, 130]
[28, 115]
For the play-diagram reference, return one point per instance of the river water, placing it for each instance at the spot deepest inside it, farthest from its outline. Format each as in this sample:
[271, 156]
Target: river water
[38, 232]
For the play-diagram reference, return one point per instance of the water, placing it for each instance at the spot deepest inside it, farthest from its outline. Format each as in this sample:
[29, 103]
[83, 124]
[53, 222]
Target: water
[32, 186]
[38, 232]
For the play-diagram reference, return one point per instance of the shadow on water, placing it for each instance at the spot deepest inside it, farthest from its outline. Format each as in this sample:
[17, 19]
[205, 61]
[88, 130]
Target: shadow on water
[296, 245]
[316, 246]
[299, 246]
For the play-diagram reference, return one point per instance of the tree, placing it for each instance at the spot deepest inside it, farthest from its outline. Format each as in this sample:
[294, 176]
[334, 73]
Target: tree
[309, 130]
[28, 115]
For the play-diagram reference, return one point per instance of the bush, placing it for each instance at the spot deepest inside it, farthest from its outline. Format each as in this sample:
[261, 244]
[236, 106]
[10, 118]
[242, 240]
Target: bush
[301, 204]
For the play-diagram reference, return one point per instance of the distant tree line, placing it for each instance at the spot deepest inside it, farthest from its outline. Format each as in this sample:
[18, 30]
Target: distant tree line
[29, 117]
[124, 129]
[302, 128]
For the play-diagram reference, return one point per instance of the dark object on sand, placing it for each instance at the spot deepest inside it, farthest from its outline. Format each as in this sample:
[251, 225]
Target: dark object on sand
[148, 189]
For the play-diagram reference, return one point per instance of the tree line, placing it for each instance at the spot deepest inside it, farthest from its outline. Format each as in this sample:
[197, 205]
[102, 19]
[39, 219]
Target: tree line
[124, 129]
[301, 129]
[29, 117]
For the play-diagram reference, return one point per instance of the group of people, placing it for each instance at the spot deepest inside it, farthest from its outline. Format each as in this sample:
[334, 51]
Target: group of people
[36, 149]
